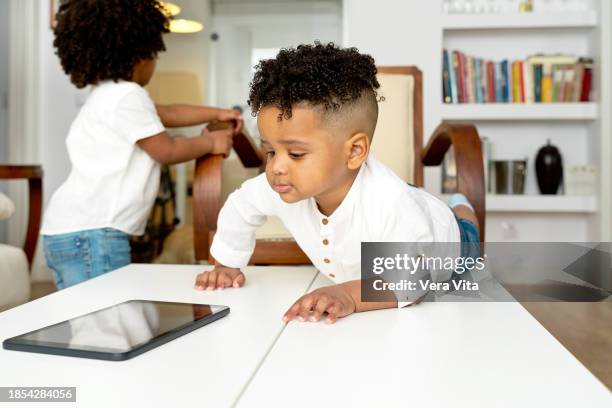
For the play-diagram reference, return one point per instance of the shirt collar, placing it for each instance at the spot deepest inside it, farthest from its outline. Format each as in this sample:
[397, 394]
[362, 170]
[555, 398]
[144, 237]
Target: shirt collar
[348, 203]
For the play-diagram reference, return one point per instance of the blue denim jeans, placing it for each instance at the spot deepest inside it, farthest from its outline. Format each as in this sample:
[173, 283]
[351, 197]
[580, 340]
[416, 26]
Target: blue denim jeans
[470, 238]
[78, 256]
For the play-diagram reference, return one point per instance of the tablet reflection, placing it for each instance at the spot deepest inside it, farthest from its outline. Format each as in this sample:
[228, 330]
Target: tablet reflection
[118, 328]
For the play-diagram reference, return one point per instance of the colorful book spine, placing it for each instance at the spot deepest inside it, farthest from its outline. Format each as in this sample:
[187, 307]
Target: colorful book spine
[490, 82]
[516, 83]
[577, 89]
[472, 79]
[457, 76]
[505, 81]
[528, 81]
[462, 75]
[557, 79]
[510, 83]
[476, 71]
[498, 82]
[521, 82]
[547, 83]
[484, 89]
[587, 80]
[447, 96]
[537, 79]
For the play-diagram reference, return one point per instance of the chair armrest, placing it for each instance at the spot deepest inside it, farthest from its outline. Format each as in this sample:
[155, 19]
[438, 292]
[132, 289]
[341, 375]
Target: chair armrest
[34, 175]
[207, 184]
[206, 202]
[468, 158]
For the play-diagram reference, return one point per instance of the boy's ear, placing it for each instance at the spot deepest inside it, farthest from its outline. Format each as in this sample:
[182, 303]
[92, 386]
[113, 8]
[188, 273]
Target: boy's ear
[357, 147]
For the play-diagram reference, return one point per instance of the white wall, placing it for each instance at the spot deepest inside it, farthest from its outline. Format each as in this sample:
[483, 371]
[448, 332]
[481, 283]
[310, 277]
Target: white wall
[4, 68]
[402, 33]
[189, 52]
[264, 25]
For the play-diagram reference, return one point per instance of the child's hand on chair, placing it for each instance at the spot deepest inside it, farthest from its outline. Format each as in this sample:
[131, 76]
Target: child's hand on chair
[219, 278]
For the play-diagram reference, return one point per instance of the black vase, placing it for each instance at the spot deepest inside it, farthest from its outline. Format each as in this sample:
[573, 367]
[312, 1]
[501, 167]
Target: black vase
[549, 169]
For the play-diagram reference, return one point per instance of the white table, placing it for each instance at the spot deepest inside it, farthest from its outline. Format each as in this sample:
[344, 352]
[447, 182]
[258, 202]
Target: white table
[430, 355]
[434, 354]
[206, 368]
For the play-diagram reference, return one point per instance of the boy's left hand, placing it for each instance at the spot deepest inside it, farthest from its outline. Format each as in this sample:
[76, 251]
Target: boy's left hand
[225, 115]
[334, 300]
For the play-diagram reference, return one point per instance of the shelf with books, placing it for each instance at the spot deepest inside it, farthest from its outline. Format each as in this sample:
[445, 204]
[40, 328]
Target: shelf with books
[504, 21]
[541, 203]
[536, 79]
[520, 111]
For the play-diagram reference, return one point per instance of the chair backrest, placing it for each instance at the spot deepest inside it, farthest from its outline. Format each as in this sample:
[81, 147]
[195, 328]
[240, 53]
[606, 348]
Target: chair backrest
[398, 139]
[34, 175]
[168, 87]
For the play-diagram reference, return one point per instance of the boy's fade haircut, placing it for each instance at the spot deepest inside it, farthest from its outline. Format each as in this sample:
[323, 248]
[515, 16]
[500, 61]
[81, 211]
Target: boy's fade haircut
[100, 40]
[340, 81]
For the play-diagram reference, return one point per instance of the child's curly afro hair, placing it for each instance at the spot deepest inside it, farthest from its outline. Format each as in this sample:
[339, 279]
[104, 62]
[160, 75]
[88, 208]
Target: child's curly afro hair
[99, 40]
[321, 74]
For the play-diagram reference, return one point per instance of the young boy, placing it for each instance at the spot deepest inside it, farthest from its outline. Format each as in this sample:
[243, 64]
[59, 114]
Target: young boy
[118, 140]
[317, 110]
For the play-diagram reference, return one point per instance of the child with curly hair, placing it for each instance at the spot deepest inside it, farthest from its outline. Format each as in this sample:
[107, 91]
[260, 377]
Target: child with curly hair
[317, 109]
[118, 140]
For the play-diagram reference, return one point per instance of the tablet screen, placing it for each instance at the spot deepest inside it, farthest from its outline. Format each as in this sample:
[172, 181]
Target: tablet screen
[121, 328]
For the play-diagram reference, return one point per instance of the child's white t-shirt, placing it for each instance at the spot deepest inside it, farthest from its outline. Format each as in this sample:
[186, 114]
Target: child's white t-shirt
[379, 207]
[113, 182]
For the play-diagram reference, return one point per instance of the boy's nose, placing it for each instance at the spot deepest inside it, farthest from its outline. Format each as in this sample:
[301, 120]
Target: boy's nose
[278, 167]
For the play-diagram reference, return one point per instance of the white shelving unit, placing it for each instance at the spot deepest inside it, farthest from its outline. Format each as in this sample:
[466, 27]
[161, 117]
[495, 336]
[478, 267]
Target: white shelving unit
[559, 204]
[519, 130]
[583, 19]
[521, 111]
[541, 203]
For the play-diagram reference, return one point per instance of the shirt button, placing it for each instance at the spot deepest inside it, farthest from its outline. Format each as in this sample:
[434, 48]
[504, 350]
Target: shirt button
[326, 260]
[331, 275]
[325, 221]
[325, 242]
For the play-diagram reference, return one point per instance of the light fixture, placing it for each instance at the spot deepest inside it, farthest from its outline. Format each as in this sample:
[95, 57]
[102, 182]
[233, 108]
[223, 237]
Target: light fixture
[170, 9]
[183, 26]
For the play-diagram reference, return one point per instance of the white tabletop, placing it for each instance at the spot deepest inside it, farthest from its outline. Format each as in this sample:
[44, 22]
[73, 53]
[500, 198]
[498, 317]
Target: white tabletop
[429, 355]
[206, 368]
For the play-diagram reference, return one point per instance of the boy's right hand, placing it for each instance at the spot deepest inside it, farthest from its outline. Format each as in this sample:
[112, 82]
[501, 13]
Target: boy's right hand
[220, 141]
[219, 278]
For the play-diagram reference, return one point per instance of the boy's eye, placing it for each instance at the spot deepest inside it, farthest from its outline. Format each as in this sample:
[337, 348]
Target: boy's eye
[296, 155]
[270, 153]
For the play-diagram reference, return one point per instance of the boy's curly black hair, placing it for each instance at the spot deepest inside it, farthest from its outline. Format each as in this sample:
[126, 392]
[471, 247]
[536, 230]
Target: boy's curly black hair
[320, 74]
[99, 40]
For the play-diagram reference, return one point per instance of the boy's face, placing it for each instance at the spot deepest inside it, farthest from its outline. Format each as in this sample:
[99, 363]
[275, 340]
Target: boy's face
[304, 159]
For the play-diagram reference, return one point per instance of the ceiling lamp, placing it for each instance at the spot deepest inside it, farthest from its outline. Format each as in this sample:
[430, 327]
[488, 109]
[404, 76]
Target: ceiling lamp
[182, 26]
[170, 9]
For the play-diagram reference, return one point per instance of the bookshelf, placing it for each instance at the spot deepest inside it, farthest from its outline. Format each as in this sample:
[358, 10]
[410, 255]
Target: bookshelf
[518, 130]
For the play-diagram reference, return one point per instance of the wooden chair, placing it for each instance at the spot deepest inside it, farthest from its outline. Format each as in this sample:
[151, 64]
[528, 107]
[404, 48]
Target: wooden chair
[397, 142]
[16, 263]
[33, 174]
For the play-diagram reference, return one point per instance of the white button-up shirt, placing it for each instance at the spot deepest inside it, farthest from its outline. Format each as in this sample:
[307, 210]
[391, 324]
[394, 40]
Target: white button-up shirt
[378, 207]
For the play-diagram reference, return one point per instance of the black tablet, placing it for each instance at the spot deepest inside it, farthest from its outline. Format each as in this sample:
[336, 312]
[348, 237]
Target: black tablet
[119, 332]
